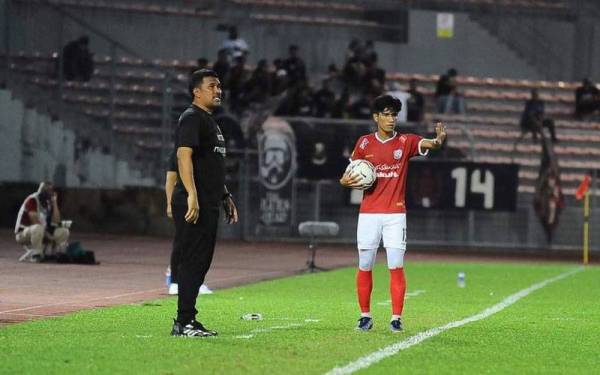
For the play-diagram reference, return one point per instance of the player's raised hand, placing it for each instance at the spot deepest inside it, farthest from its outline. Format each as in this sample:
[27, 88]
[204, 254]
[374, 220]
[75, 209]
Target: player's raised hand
[440, 131]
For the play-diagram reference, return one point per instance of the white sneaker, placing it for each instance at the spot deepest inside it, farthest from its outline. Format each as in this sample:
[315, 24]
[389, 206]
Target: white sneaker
[205, 290]
[173, 289]
[30, 255]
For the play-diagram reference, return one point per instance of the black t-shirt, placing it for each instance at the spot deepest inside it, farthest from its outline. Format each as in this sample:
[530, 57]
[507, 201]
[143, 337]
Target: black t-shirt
[172, 162]
[199, 131]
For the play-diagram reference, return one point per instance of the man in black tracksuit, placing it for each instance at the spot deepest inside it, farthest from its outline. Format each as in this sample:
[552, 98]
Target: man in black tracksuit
[199, 193]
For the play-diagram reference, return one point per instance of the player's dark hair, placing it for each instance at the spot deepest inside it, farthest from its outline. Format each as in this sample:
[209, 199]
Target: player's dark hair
[383, 102]
[197, 77]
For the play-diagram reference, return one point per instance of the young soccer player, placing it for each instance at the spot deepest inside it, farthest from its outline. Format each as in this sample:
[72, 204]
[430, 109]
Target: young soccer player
[383, 210]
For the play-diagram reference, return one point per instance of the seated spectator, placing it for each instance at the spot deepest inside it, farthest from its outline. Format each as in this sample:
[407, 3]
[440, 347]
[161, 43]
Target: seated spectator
[297, 102]
[361, 108]
[587, 99]
[354, 72]
[78, 62]
[532, 118]
[449, 100]
[324, 100]
[201, 63]
[258, 87]
[369, 53]
[279, 78]
[415, 103]
[374, 77]
[335, 80]
[236, 82]
[234, 45]
[294, 66]
[38, 222]
[341, 108]
[355, 50]
[221, 66]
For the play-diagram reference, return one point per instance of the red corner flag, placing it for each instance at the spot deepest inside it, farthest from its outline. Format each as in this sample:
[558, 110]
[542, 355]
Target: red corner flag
[583, 188]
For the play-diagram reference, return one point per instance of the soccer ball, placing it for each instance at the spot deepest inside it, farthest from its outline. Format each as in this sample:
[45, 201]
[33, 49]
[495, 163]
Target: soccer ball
[364, 169]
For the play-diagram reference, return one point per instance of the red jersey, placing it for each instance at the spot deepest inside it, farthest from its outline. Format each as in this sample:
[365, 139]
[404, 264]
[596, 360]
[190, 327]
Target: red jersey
[390, 158]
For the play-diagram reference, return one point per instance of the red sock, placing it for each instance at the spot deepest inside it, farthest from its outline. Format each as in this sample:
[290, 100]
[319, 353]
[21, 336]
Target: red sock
[397, 290]
[364, 285]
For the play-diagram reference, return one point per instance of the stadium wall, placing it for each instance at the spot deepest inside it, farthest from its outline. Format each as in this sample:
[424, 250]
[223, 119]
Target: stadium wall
[141, 211]
[472, 51]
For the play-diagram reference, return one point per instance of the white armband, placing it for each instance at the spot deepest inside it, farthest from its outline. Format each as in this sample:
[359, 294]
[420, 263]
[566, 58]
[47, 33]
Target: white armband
[421, 150]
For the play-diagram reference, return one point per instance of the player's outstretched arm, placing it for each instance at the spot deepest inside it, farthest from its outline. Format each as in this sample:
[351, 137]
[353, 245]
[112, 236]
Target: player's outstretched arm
[438, 141]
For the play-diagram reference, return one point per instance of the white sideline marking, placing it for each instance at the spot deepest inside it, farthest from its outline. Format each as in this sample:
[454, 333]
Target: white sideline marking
[406, 296]
[256, 331]
[391, 350]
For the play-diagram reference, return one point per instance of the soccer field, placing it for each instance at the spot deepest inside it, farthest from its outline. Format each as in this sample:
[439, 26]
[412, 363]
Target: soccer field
[543, 319]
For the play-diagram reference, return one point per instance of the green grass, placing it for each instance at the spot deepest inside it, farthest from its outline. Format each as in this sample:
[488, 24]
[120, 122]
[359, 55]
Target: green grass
[553, 330]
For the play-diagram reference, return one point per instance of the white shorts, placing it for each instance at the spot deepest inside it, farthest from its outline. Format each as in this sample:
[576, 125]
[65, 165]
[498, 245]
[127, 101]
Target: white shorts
[373, 227]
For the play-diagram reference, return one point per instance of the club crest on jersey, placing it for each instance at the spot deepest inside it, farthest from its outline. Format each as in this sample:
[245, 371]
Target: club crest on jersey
[397, 154]
[364, 143]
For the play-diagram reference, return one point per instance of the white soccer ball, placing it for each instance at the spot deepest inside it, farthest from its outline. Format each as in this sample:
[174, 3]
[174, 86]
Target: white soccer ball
[365, 170]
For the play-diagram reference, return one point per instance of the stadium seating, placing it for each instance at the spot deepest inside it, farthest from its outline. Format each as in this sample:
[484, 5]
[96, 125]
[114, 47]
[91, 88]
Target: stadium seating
[488, 131]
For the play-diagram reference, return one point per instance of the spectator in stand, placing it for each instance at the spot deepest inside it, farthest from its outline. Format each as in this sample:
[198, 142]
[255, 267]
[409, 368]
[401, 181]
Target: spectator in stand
[369, 51]
[222, 66]
[374, 77]
[78, 62]
[294, 66]
[587, 99]
[341, 108]
[354, 71]
[532, 118]
[236, 83]
[361, 109]
[324, 100]
[38, 221]
[302, 104]
[449, 100]
[258, 87]
[201, 63]
[355, 50]
[333, 75]
[298, 102]
[234, 45]
[279, 78]
[415, 103]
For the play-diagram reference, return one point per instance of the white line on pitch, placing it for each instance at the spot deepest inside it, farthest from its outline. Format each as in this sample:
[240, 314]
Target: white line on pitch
[393, 349]
[256, 331]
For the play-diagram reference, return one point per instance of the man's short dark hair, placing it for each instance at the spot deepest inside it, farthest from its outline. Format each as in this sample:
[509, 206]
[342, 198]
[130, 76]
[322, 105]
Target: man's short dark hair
[383, 102]
[197, 77]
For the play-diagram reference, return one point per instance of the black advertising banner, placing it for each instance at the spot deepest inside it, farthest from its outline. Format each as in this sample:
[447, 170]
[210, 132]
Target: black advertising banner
[277, 166]
[462, 186]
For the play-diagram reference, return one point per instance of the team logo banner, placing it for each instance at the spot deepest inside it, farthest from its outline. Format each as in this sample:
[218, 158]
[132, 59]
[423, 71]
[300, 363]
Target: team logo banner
[277, 166]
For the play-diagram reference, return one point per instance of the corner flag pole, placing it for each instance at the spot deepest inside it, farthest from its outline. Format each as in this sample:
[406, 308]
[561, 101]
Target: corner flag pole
[586, 228]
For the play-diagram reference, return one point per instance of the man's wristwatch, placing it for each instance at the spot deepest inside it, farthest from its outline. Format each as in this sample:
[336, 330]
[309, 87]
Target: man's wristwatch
[227, 195]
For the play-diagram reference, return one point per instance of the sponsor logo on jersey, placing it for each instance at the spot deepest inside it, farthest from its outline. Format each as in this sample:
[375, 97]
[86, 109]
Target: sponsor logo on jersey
[364, 143]
[387, 170]
[397, 154]
[219, 150]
